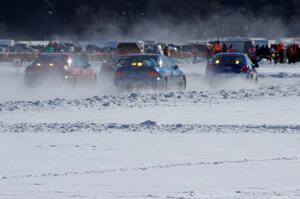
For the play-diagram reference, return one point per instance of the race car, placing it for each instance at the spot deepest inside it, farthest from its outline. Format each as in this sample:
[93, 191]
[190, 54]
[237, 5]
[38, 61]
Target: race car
[231, 65]
[71, 68]
[149, 70]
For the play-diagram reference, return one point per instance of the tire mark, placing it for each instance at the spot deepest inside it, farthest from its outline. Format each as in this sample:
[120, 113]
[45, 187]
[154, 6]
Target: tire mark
[147, 168]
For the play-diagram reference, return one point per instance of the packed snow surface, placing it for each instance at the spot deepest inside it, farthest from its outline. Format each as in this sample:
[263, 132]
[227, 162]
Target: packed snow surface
[233, 139]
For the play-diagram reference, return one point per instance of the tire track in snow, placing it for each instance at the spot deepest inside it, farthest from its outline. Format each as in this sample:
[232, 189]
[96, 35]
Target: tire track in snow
[147, 168]
[146, 126]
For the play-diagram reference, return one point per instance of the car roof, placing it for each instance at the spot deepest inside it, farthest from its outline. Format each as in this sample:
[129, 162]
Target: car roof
[233, 53]
[58, 56]
[142, 55]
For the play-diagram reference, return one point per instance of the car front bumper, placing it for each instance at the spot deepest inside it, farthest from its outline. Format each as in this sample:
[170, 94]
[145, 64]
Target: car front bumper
[156, 82]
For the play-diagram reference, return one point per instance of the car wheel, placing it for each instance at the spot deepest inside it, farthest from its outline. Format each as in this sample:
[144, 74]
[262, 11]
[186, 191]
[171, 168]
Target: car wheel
[95, 80]
[165, 84]
[74, 82]
[120, 86]
[182, 84]
[116, 84]
[29, 82]
[254, 77]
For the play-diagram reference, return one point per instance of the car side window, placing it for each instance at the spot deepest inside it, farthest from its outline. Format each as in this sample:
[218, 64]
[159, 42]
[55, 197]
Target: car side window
[77, 62]
[166, 62]
[84, 59]
[149, 63]
[159, 61]
[81, 63]
[249, 62]
[73, 61]
[171, 62]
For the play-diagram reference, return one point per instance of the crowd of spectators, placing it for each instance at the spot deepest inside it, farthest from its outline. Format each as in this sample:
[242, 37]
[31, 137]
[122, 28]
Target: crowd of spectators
[275, 53]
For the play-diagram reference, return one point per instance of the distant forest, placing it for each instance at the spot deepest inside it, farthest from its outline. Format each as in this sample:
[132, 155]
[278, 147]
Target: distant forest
[42, 19]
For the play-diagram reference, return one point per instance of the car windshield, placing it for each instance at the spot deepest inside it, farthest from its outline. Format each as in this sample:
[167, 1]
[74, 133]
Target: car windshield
[45, 60]
[229, 60]
[128, 46]
[140, 61]
[115, 59]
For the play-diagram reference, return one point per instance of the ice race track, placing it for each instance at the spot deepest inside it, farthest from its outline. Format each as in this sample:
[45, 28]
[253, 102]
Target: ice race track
[237, 139]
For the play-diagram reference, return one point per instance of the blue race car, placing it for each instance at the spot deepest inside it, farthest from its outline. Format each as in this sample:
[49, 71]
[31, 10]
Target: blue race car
[149, 70]
[231, 64]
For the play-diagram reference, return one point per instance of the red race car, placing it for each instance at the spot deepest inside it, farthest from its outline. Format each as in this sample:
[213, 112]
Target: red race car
[59, 67]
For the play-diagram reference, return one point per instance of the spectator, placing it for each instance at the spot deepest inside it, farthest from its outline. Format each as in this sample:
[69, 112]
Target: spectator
[217, 47]
[49, 48]
[252, 53]
[230, 49]
[281, 50]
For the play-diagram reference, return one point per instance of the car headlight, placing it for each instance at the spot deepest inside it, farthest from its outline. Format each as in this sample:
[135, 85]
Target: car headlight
[69, 61]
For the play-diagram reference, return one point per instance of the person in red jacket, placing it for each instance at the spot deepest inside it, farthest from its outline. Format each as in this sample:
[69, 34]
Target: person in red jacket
[290, 54]
[218, 47]
[230, 49]
[252, 53]
[280, 49]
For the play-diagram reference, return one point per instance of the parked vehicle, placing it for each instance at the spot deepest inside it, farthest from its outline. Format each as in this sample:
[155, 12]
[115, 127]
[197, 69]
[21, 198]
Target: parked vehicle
[125, 48]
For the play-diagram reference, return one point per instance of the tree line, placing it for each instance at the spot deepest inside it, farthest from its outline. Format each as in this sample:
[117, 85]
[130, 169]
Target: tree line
[43, 18]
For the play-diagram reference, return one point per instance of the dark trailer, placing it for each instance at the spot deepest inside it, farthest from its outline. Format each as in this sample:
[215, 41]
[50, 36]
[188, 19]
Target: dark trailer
[241, 45]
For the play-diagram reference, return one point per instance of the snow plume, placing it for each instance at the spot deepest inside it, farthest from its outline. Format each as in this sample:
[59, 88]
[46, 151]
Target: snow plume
[167, 30]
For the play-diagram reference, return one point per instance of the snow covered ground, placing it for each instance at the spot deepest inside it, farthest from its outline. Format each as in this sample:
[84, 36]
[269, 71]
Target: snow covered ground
[235, 140]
